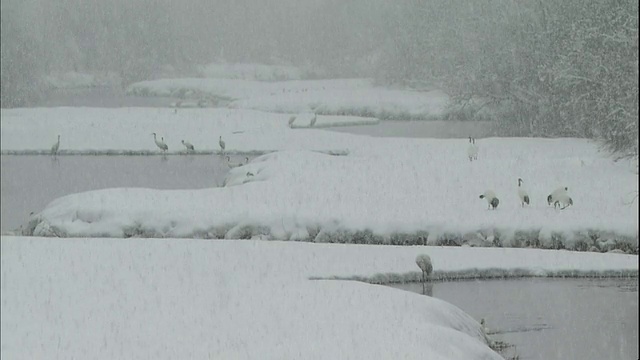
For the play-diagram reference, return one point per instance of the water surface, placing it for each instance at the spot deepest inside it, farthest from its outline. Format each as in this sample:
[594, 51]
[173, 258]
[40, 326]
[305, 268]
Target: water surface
[30, 182]
[589, 319]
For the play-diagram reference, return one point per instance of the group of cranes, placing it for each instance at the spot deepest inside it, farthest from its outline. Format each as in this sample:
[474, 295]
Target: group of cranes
[559, 197]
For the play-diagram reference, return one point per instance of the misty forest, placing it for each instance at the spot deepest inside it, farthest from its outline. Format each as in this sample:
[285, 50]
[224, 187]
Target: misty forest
[548, 68]
[319, 179]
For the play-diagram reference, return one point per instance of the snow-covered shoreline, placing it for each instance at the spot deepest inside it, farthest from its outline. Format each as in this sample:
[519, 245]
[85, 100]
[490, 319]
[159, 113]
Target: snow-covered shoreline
[368, 197]
[355, 97]
[385, 190]
[168, 298]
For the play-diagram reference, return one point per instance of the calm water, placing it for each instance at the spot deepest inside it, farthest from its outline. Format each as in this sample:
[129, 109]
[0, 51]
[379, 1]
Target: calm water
[590, 319]
[29, 183]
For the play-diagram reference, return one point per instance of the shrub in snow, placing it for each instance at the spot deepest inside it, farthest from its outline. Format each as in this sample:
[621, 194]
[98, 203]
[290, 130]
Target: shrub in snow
[450, 239]
[245, 232]
[520, 238]
[399, 239]
[133, 231]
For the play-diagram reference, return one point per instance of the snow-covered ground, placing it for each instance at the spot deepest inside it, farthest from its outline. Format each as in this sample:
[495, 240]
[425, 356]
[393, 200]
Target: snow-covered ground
[75, 80]
[128, 130]
[422, 188]
[176, 298]
[330, 97]
[250, 71]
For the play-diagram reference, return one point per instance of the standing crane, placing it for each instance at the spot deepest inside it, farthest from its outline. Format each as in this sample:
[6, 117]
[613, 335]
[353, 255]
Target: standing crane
[55, 147]
[313, 120]
[160, 143]
[188, 145]
[424, 263]
[222, 144]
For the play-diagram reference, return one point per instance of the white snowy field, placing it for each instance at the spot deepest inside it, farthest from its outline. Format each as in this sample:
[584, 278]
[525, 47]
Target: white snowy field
[128, 130]
[177, 298]
[76, 80]
[384, 189]
[336, 97]
[250, 71]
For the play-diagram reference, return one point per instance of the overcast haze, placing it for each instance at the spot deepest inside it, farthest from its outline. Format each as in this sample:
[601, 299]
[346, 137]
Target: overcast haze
[546, 68]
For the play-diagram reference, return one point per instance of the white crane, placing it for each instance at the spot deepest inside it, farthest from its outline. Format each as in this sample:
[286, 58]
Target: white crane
[472, 150]
[551, 199]
[313, 120]
[522, 193]
[188, 145]
[55, 147]
[160, 143]
[291, 120]
[560, 198]
[491, 198]
[424, 263]
[222, 144]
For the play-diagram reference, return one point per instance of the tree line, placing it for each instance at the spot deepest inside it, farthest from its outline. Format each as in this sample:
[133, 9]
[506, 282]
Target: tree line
[538, 68]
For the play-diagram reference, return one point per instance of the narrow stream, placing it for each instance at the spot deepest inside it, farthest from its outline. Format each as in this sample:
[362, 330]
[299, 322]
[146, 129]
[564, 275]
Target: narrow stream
[31, 182]
[587, 319]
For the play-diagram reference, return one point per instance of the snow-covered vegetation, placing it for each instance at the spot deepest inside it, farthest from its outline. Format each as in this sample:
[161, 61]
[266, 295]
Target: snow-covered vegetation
[355, 97]
[75, 80]
[259, 72]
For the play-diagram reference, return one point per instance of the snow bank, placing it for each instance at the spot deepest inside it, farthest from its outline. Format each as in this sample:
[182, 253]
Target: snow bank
[127, 131]
[250, 71]
[401, 191]
[75, 80]
[357, 97]
[110, 298]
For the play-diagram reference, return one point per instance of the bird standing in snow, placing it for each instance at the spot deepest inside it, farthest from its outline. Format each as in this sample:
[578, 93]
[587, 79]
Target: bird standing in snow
[522, 193]
[291, 120]
[485, 329]
[424, 263]
[222, 144]
[160, 143]
[313, 120]
[472, 150]
[188, 145]
[555, 194]
[560, 198]
[55, 147]
[491, 198]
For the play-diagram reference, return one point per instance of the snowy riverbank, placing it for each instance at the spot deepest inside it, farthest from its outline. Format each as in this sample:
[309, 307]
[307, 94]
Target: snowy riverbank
[168, 298]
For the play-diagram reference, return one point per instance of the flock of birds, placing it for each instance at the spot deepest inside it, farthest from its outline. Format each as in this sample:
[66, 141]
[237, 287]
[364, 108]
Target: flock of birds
[164, 147]
[190, 148]
[559, 197]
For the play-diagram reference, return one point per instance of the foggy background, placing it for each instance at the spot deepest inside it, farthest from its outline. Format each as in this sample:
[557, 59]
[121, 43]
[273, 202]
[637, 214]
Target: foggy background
[544, 68]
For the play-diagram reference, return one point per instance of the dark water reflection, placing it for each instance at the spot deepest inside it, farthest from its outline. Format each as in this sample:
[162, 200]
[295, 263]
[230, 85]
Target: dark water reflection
[552, 318]
[29, 183]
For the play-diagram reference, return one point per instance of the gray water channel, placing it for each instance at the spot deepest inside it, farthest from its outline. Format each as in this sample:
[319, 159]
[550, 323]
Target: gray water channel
[587, 319]
[30, 182]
